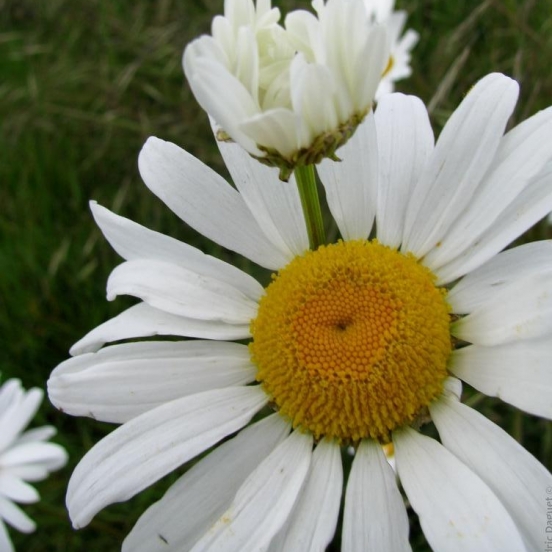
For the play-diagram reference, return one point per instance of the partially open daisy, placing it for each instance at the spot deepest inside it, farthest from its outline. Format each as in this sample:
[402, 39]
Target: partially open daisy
[25, 457]
[290, 95]
[398, 66]
[358, 343]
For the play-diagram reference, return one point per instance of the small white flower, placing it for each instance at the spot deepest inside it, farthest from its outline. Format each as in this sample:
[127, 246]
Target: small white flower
[289, 95]
[349, 344]
[24, 457]
[398, 66]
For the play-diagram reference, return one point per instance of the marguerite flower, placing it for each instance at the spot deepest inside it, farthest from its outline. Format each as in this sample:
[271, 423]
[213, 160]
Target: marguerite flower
[358, 343]
[24, 457]
[289, 95]
[398, 66]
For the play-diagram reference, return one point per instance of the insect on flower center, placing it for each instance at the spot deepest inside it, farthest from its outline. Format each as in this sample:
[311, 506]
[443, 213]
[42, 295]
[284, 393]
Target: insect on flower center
[352, 340]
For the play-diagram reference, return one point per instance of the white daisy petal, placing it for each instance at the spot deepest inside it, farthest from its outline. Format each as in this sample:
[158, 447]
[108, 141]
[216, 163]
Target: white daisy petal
[5, 542]
[463, 153]
[515, 476]
[14, 516]
[266, 14]
[205, 201]
[49, 455]
[385, 87]
[13, 488]
[303, 29]
[409, 40]
[18, 415]
[312, 92]
[246, 12]
[206, 78]
[400, 51]
[206, 46]
[133, 241]
[204, 492]
[520, 310]
[248, 54]
[36, 434]
[148, 447]
[400, 56]
[375, 53]
[31, 473]
[457, 511]
[275, 204]
[518, 373]
[276, 127]
[142, 320]
[481, 285]
[521, 156]
[375, 516]
[531, 205]
[360, 60]
[123, 381]
[453, 386]
[11, 392]
[311, 525]
[404, 143]
[56, 457]
[264, 501]
[176, 290]
[351, 184]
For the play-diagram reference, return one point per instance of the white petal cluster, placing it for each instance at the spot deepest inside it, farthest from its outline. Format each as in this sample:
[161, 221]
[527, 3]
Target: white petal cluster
[25, 457]
[398, 66]
[454, 204]
[288, 94]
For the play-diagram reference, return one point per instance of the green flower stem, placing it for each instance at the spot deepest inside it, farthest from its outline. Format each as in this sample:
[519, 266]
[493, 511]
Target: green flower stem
[306, 184]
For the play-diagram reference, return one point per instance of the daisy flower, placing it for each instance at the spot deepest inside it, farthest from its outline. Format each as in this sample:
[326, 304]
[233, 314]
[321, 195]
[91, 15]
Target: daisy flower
[358, 343]
[290, 95]
[25, 457]
[398, 65]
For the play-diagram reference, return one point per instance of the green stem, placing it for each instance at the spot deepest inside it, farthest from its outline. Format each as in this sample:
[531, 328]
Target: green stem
[308, 192]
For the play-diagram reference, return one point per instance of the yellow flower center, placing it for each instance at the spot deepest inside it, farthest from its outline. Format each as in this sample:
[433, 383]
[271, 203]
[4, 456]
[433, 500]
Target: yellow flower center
[352, 340]
[389, 66]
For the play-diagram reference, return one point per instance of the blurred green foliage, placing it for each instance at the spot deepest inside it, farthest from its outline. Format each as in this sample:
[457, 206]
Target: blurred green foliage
[83, 83]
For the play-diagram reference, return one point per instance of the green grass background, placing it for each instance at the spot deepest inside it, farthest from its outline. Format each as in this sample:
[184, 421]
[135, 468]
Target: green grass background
[83, 83]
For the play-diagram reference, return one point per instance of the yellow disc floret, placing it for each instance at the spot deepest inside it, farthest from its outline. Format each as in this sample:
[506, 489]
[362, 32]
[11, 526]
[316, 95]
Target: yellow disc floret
[352, 340]
[389, 66]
